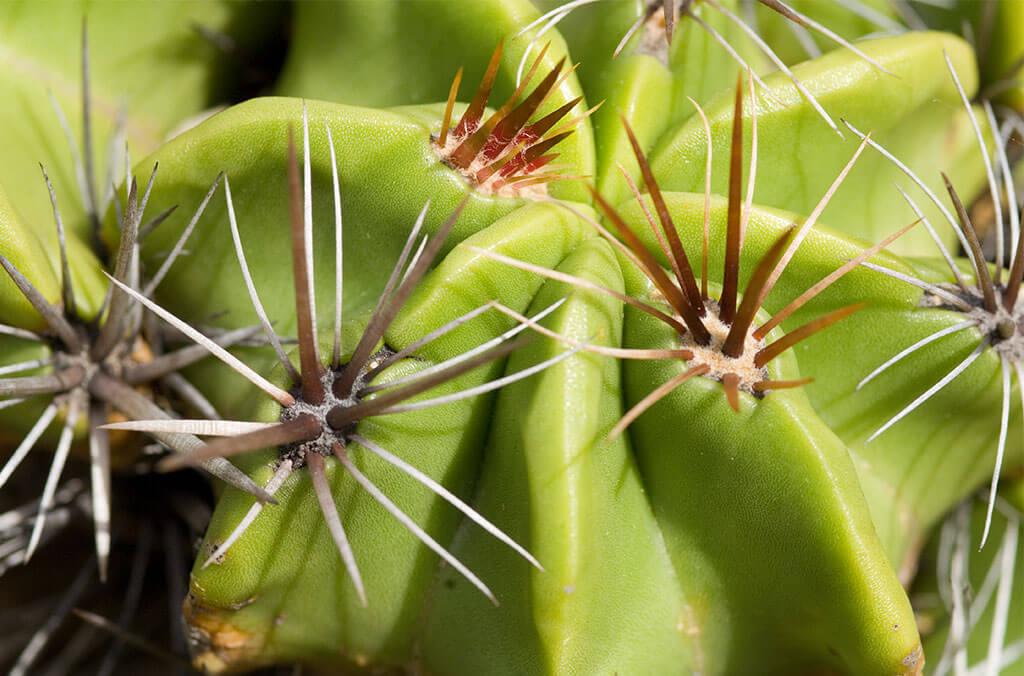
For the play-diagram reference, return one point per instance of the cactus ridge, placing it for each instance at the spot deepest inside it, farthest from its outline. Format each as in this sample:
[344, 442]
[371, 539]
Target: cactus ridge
[319, 415]
[989, 305]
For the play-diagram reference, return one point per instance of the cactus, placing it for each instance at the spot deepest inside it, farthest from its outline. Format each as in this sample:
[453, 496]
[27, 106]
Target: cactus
[514, 336]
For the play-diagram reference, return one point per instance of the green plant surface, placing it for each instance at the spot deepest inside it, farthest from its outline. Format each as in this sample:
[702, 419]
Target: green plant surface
[916, 471]
[391, 53]
[799, 156]
[146, 59]
[13, 420]
[387, 170]
[26, 247]
[740, 496]
[639, 90]
[845, 581]
[251, 137]
[727, 529]
[649, 83]
[999, 27]
[698, 65]
[1001, 63]
[256, 606]
[607, 600]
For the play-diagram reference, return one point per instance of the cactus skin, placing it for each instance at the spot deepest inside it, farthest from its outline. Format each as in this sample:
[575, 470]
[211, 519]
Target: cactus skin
[772, 540]
[799, 159]
[222, 611]
[444, 443]
[934, 476]
[404, 57]
[608, 599]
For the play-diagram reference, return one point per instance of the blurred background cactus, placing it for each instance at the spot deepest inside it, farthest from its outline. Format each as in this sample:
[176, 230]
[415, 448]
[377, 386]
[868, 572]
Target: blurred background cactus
[512, 336]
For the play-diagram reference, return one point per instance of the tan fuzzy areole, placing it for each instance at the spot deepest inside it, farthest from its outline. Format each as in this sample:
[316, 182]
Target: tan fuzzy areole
[718, 363]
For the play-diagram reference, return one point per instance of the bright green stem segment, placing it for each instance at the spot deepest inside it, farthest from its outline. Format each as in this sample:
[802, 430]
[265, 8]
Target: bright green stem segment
[607, 601]
[915, 114]
[640, 96]
[699, 66]
[27, 248]
[710, 486]
[998, 27]
[766, 525]
[23, 246]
